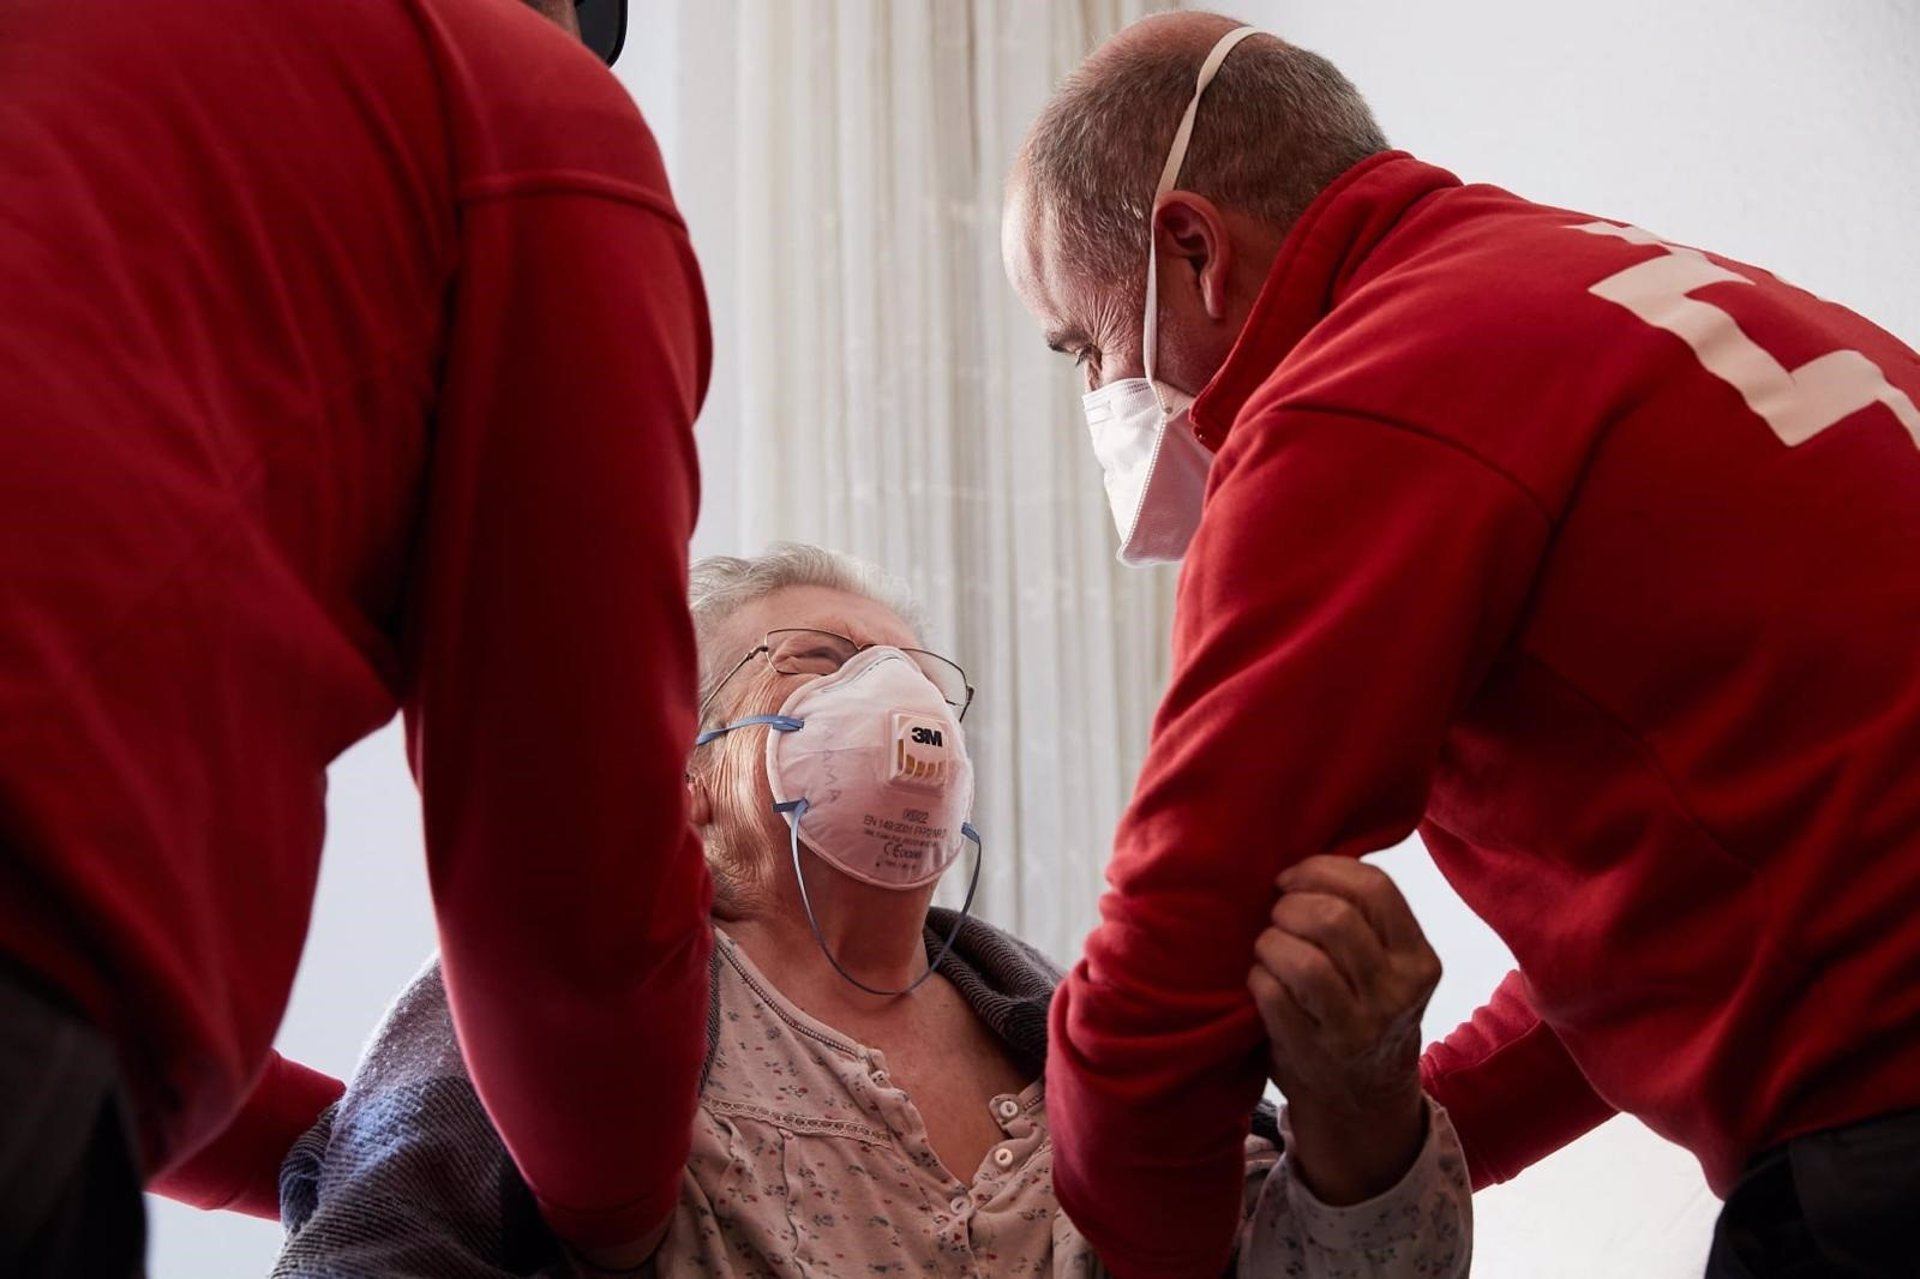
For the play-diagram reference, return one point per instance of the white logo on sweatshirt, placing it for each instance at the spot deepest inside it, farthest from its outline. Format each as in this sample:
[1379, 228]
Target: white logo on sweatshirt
[1797, 403]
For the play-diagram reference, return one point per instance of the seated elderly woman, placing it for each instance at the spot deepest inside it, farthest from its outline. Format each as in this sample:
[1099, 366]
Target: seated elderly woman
[871, 1101]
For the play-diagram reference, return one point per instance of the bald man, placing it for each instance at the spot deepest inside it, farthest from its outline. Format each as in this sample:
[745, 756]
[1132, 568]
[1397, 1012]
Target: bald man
[1594, 558]
[349, 358]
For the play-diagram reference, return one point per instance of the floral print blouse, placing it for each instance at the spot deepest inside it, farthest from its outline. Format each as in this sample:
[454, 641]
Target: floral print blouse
[809, 1160]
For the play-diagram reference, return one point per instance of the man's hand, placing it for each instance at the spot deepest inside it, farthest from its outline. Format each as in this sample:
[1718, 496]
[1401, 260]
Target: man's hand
[1341, 979]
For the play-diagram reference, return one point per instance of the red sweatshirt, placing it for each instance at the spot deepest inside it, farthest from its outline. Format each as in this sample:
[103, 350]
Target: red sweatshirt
[348, 359]
[1599, 561]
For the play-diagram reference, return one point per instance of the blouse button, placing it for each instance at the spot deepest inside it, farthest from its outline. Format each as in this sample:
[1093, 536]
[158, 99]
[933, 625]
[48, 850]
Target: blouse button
[1009, 1108]
[959, 1204]
[1003, 1157]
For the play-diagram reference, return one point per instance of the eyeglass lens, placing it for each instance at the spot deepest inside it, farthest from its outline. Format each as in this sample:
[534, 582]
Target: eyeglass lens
[808, 652]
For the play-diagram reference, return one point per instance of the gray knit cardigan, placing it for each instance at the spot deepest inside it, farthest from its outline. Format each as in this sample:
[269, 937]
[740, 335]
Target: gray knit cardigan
[405, 1177]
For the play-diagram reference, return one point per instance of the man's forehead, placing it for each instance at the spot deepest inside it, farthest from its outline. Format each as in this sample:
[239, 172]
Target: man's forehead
[1029, 244]
[1019, 251]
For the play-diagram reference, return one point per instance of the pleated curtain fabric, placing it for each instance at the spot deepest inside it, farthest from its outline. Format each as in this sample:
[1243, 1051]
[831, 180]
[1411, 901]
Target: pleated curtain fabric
[879, 389]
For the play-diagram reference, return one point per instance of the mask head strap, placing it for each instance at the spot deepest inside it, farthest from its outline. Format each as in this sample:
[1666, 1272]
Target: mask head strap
[1169, 174]
[779, 723]
[792, 811]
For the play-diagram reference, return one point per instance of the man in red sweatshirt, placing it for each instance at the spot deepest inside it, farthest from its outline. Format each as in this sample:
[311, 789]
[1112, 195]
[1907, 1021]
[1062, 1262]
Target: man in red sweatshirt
[349, 353]
[1594, 557]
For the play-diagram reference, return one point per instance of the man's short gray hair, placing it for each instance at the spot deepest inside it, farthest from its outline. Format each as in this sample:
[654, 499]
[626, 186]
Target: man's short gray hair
[1276, 126]
[720, 585]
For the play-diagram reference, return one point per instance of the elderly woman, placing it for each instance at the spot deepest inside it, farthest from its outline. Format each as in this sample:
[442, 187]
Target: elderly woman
[871, 1101]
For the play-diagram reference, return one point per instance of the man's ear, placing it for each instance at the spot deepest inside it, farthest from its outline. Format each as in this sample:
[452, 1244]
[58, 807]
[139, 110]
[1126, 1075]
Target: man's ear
[1190, 233]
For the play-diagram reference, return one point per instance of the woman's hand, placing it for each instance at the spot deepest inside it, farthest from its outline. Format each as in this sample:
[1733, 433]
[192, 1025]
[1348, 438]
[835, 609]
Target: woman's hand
[1341, 978]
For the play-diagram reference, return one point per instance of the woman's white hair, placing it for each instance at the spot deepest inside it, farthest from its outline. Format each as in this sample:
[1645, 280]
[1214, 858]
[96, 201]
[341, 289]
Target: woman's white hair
[721, 585]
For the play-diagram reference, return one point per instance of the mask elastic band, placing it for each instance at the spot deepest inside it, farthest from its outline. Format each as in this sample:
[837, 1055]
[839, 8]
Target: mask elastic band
[780, 724]
[1176, 156]
[792, 810]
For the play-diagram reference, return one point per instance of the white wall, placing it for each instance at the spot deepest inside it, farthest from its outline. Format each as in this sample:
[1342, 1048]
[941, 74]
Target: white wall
[1779, 132]
[1776, 131]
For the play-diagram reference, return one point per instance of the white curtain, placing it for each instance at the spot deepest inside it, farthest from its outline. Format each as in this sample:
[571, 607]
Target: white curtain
[879, 389]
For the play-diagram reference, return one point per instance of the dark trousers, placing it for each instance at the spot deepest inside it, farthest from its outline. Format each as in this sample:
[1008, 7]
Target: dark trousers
[70, 1201]
[1843, 1202]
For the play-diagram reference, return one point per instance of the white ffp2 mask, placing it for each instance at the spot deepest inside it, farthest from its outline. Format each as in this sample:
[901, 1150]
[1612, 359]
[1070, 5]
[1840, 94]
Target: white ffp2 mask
[870, 769]
[881, 767]
[1154, 467]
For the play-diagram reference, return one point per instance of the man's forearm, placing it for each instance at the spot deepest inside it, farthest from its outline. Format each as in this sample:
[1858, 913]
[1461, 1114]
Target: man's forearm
[1512, 1089]
[240, 1169]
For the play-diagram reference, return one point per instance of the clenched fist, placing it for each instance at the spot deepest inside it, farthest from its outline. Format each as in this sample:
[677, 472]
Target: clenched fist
[1342, 976]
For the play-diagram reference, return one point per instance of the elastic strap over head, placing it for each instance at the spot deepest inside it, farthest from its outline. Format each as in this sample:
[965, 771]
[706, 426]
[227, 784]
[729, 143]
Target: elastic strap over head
[779, 724]
[1169, 174]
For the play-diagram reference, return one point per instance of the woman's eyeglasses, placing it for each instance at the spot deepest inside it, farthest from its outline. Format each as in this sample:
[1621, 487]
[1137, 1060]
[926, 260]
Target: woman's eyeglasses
[803, 651]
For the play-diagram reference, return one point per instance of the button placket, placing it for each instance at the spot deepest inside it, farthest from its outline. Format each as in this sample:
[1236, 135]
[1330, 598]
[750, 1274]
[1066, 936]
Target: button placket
[870, 1082]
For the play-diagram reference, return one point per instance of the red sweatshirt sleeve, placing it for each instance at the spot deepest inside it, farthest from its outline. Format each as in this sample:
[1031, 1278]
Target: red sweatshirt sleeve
[1350, 583]
[1513, 1093]
[240, 1169]
[551, 706]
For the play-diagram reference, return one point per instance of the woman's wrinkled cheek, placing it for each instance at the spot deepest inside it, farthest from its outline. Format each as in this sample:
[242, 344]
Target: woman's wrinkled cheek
[744, 781]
